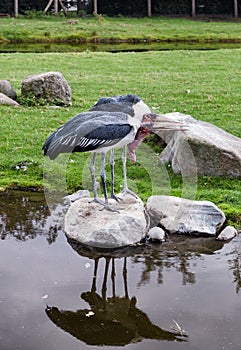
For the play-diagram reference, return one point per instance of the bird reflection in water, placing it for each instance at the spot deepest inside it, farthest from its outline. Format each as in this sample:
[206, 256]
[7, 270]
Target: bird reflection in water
[110, 320]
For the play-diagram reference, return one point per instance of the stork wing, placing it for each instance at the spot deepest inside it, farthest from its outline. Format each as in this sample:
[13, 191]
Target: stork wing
[87, 132]
[103, 136]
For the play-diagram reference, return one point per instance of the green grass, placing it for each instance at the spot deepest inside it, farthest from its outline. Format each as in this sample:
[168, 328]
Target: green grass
[204, 84]
[60, 29]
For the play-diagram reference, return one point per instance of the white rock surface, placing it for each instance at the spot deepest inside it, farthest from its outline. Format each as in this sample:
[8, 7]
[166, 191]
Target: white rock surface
[202, 149]
[156, 234]
[228, 233]
[90, 224]
[5, 100]
[184, 216]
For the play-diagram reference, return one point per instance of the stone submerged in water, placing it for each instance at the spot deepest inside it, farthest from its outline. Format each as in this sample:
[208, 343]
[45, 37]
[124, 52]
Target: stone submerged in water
[184, 216]
[156, 234]
[88, 223]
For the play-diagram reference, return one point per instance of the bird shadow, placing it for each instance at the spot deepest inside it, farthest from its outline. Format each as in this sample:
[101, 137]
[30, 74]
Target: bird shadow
[110, 320]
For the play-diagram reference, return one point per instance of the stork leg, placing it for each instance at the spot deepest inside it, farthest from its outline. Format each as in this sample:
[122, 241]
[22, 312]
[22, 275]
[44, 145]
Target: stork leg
[103, 180]
[125, 277]
[93, 287]
[112, 166]
[126, 189]
[103, 177]
[113, 274]
[104, 285]
[92, 172]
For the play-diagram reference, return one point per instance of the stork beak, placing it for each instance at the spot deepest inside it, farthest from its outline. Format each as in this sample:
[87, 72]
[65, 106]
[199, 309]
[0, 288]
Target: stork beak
[162, 126]
[159, 122]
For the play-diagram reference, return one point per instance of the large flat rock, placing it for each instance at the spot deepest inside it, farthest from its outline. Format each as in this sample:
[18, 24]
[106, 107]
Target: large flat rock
[90, 224]
[202, 148]
[184, 216]
[5, 100]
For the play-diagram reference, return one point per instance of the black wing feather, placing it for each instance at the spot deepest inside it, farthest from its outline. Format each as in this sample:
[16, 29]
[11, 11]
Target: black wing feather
[87, 132]
[103, 136]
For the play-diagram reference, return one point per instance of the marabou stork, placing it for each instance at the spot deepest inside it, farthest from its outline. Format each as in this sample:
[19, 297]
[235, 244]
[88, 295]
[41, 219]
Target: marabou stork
[96, 132]
[100, 130]
[132, 105]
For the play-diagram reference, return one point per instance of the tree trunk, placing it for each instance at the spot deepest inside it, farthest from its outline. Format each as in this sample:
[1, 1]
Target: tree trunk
[148, 8]
[235, 5]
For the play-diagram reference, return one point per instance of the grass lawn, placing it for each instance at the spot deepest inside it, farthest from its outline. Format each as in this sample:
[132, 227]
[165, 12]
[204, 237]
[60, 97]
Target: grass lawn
[204, 84]
[105, 29]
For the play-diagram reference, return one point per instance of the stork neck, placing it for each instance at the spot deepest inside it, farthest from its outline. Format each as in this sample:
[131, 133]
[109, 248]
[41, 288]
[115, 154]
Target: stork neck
[141, 134]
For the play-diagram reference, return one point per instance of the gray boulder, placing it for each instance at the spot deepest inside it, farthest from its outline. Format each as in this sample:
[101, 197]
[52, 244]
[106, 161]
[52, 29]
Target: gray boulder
[5, 100]
[228, 233]
[75, 196]
[50, 86]
[202, 149]
[7, 89]
[184, 216]
[88, 223]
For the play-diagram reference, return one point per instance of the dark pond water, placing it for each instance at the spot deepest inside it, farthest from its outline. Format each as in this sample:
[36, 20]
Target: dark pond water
[57, 295]
[123, 47]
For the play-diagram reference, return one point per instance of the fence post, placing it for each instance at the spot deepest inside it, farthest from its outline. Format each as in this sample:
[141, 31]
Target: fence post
[193, 8]
[95, 10]
[148, 8]
[235, 5]
[15, 8]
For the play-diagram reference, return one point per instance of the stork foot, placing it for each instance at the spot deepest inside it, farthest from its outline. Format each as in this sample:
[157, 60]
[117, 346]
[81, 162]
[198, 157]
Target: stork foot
[116, 198]
[97, 200]
[127, 191]
[110, 208]
[105, 205]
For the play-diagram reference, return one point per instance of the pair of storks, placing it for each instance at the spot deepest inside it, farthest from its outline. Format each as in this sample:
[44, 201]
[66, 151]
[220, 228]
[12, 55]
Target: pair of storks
[114, 122]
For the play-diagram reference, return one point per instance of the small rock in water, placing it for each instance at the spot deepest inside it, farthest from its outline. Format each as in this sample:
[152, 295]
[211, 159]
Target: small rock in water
[228, 233]
[185, 216]
[156, 234]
